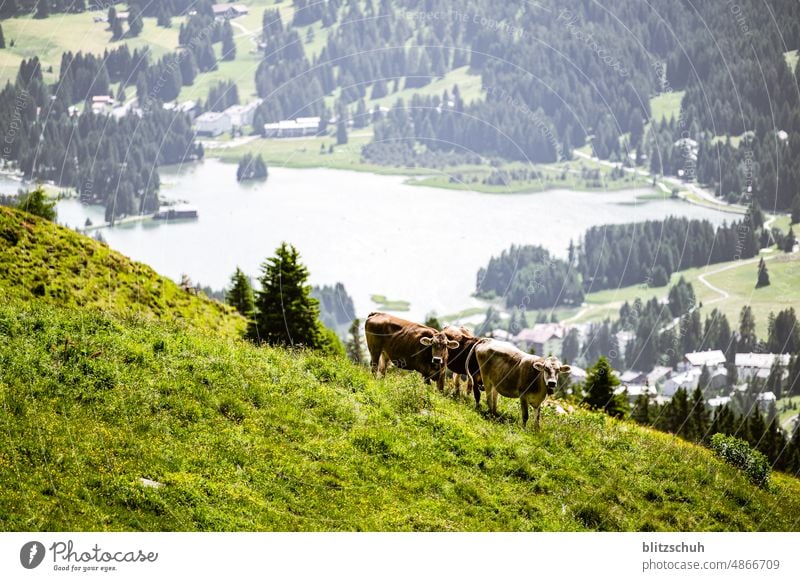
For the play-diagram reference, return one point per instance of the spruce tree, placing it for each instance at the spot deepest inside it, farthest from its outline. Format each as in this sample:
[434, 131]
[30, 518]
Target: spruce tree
[240, 296]
[763, 274]
[42, 9]
[599, 389]
[354, 347]
[163, 19]
[641, 410]
[115, 24]
[676, 414]
[789, 241]
[37, 203]
[755, 428]
[228, 44]
[341, 131]
[724, 421]
[747, 330]
[188, 66]
[699, 418]
[286, 313]
[135, 23]
[2, 37]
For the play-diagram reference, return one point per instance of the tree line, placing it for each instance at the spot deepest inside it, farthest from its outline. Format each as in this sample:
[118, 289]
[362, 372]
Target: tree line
[649, 252]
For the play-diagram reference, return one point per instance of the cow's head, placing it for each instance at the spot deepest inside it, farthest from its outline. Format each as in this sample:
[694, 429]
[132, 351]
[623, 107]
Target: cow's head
[549, 369]
[439, 345]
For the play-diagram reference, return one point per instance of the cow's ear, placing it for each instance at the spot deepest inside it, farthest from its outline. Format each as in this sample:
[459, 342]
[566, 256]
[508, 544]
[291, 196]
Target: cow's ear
[538, 364]
[452, 344]
[426, 341]
[564, 369]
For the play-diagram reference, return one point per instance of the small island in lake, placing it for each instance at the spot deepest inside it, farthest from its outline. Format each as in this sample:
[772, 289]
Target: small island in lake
[251, 167]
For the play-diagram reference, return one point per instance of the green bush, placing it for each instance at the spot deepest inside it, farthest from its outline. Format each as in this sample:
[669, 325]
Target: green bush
[739, 453]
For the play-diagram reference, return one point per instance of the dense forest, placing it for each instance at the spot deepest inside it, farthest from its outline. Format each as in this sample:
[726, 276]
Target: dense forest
[527, 277]
[613, 256]
[557, 76]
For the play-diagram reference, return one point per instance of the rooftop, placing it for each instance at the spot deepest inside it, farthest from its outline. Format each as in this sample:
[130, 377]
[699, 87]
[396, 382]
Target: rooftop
[709, 358]
[762, 360]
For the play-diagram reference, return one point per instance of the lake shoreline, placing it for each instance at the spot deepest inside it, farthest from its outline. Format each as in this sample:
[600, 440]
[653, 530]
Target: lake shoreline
[352, 227]
[416, 176]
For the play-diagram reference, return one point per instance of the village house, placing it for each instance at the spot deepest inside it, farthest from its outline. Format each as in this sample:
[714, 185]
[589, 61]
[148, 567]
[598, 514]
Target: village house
[500, 334]
[229, 11]
[765, 401]
[686, 380]
[633, 391]
[749, 365]
[300, 127]
[543, 338]
[717, 402]
[658, 375]
[633, 377]
[242, 115]
[102, 104]
[212, 124]
[700, 358]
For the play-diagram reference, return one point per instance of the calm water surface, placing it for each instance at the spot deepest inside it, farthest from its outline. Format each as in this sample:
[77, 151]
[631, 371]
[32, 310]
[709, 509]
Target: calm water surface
[374, 233]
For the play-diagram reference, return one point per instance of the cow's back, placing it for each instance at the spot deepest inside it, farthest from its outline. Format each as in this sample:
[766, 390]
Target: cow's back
[399, 339]
[458, 358]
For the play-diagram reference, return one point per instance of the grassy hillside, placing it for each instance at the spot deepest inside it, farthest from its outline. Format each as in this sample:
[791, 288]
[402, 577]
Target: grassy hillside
[247, 438]
[52, 264]
[49, 38]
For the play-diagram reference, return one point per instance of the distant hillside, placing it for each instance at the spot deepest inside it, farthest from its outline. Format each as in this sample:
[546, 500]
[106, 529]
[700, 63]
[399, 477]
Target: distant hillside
[41, 260]
[234, 437]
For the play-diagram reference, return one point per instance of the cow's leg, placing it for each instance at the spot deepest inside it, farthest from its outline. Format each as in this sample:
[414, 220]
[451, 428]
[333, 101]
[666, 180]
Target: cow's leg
[440, 379]
[381, 364]
[472, 385]
[524, 406]
[491, 398]
[536, 417]
[375, 358]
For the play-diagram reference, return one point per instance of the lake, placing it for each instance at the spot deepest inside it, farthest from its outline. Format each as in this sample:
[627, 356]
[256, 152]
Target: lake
[371, 232]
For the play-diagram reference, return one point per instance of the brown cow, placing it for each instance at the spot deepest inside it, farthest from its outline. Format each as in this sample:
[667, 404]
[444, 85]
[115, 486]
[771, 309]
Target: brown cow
[457, 360]
[508, 371]
[408, 346]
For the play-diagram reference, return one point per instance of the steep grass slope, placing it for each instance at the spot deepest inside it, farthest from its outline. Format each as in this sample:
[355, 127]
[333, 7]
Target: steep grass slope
[41, 260]
[248, 438]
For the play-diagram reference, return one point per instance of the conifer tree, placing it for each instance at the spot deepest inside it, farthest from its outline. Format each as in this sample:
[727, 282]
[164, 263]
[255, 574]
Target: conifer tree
[724, 421]
[228, 44]
[2, 37]
[789, 241]
[763, 274]
[286, 313]
[698, 418]
[354, 347]
[115, 24]
[747, 330]
[240, 296]
[37, 203]
[641, 410]
[676, 414]
[135, 23]
[42, 9]
[599, 389]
